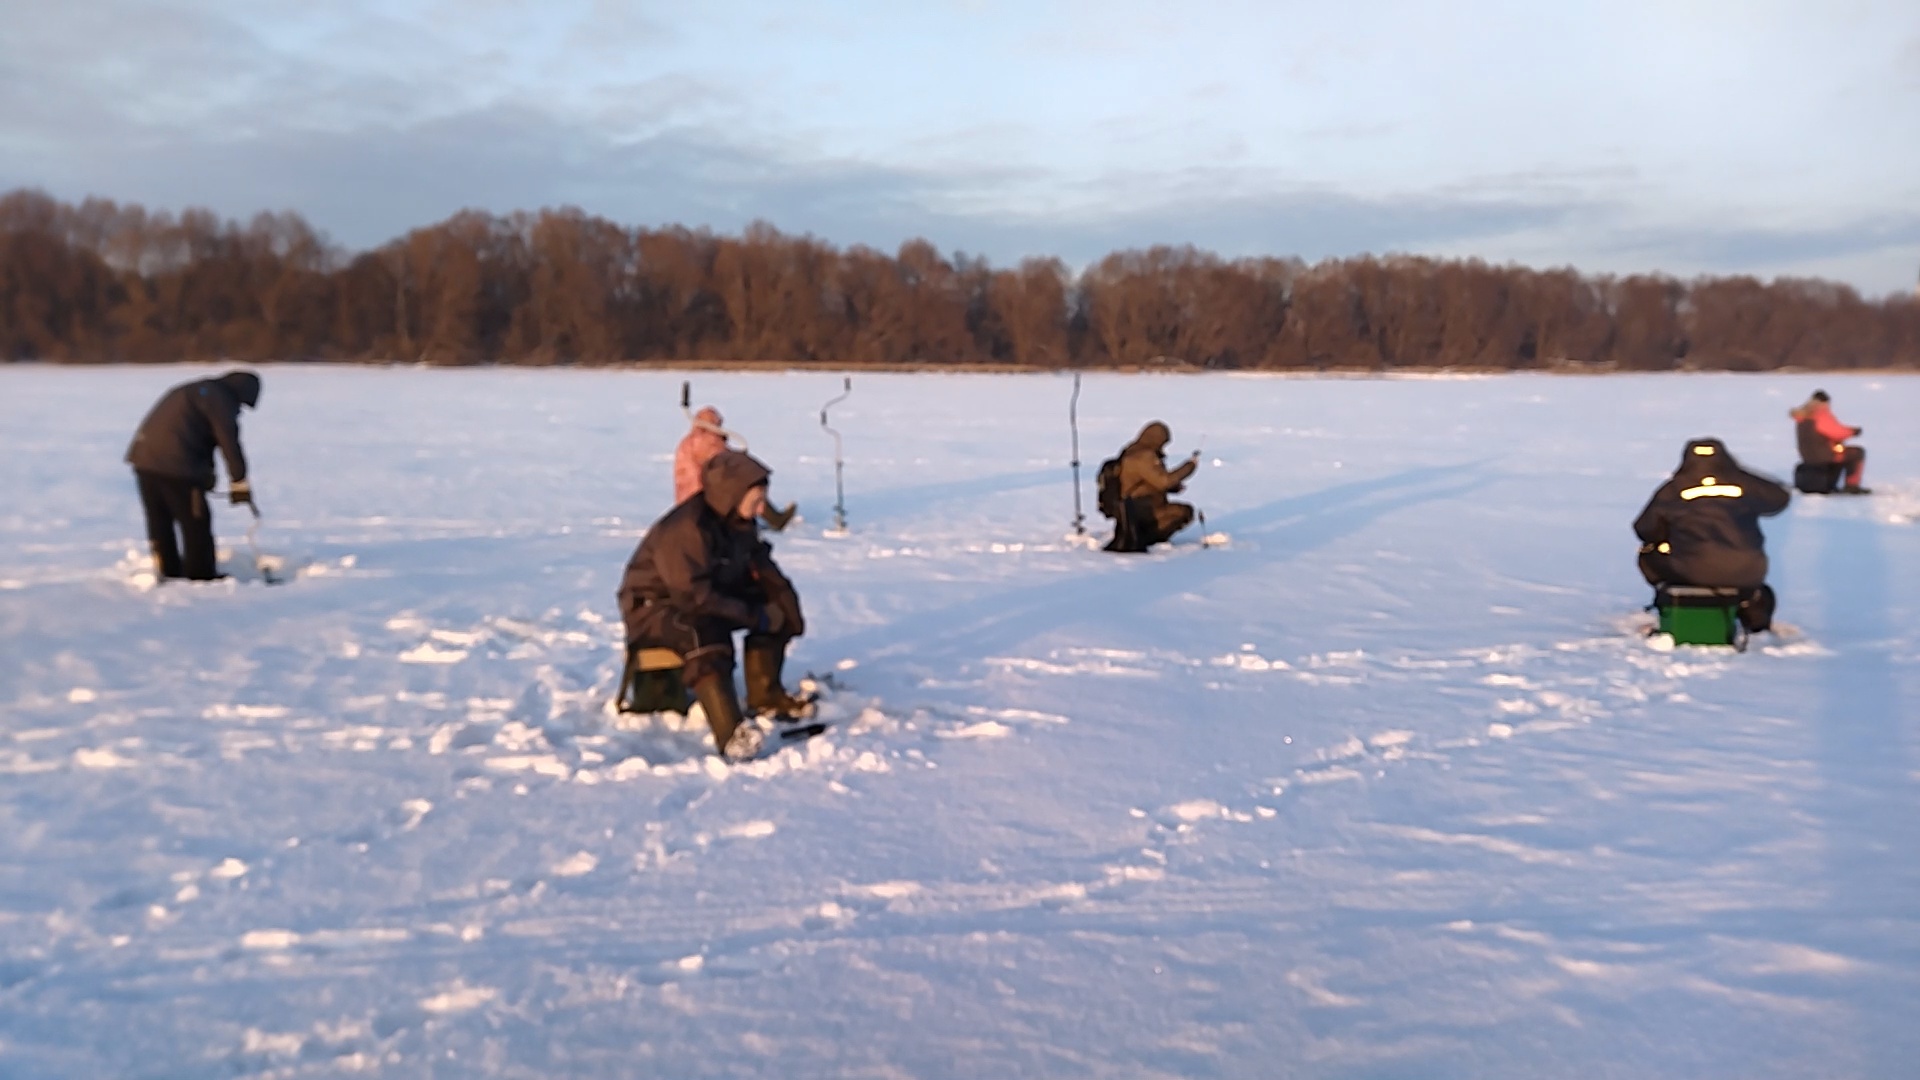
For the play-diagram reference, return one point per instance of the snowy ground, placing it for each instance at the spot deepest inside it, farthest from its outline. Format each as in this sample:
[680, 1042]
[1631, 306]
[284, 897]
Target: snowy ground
[1386, 787]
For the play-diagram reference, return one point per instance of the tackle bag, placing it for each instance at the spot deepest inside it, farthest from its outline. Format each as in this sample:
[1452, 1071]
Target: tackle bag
[1107, 489]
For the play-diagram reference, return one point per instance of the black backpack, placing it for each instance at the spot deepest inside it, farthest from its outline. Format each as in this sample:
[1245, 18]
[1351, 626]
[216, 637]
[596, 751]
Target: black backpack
[1107, 485]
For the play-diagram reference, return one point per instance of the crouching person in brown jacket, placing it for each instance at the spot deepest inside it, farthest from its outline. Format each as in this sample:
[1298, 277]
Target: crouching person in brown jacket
[1139, 483]
[701, 574]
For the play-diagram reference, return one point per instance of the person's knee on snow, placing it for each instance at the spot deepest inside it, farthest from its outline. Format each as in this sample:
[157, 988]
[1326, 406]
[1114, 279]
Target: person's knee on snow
[1171, 518]
[1126, 528]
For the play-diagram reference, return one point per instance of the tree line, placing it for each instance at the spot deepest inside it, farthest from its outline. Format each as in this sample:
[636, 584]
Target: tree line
[109, 282]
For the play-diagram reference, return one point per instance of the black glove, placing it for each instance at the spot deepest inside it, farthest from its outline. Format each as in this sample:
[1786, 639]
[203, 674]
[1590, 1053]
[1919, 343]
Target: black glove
[240, 493]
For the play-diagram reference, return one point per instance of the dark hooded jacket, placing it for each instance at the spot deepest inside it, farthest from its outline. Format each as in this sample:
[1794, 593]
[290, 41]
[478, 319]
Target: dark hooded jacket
[1709, 515]
[178, 437]
[699, 559]
[1143, 466]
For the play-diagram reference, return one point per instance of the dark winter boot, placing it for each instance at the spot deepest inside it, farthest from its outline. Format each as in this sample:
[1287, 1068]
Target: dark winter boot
[735, 740]
[765, 692]
[777, 519]
[1756, 610]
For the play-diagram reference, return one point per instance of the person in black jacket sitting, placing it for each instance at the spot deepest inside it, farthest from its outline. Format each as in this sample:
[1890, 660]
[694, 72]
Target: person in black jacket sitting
[701, 574]
[172, 459]
[1702, 527]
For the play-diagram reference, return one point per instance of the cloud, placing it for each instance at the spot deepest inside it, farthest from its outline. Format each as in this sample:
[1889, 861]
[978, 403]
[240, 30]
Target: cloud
[506, 158]
[370, 184]
[1309, 222]
[1761, 250]
[370, 123]
[1731, 247]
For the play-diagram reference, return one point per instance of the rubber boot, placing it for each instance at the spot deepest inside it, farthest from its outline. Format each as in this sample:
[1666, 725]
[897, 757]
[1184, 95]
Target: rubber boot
[1756, 610]
[777, 519]
[765, 692]
[736, 741]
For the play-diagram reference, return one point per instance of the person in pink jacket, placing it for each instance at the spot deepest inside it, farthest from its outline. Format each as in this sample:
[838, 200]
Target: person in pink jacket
[705, 440]
[690, 458]
[1822, 438]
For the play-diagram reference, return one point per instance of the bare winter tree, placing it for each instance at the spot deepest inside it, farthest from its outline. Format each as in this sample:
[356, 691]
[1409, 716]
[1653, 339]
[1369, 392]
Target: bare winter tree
[104, 281]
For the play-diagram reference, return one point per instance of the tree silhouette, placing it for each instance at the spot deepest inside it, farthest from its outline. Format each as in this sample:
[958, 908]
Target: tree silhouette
[103, 281]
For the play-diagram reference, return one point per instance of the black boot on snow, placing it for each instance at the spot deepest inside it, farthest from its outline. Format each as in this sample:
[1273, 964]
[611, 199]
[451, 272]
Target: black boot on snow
[1756, 610]
[735, 740]
[765, 692]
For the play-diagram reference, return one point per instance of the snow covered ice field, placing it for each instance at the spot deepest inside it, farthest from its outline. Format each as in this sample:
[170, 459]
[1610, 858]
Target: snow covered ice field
[1386, 787]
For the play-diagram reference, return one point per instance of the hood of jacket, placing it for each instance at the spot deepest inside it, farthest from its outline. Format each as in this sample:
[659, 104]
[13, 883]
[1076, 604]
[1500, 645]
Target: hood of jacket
[1705, 457]
[245, 386]
[1155, 436]
[729, 476]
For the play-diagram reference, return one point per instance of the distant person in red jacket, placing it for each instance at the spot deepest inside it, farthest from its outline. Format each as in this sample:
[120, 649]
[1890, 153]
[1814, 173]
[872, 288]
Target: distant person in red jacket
[1822, 439]
[703, 442]
[690, 459]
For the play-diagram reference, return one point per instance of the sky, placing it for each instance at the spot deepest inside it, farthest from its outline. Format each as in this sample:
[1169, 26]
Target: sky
[1682, 136]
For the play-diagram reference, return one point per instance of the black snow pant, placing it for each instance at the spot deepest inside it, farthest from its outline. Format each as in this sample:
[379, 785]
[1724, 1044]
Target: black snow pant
[170, 502]
[1756, 603]
[1145, 522]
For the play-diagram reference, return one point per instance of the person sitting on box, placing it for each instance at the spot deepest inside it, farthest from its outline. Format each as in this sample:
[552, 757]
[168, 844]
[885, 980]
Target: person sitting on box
[1702, 527]
[702, 574]
[1824, 452]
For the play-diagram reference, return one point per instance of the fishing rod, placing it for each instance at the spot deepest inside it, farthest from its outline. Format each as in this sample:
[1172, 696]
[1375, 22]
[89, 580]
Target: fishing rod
[253, 545]
[1206, 538]
[839, 486]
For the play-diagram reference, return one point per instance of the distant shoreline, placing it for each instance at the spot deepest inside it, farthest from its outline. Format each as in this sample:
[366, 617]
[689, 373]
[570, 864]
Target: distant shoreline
[826, 368]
